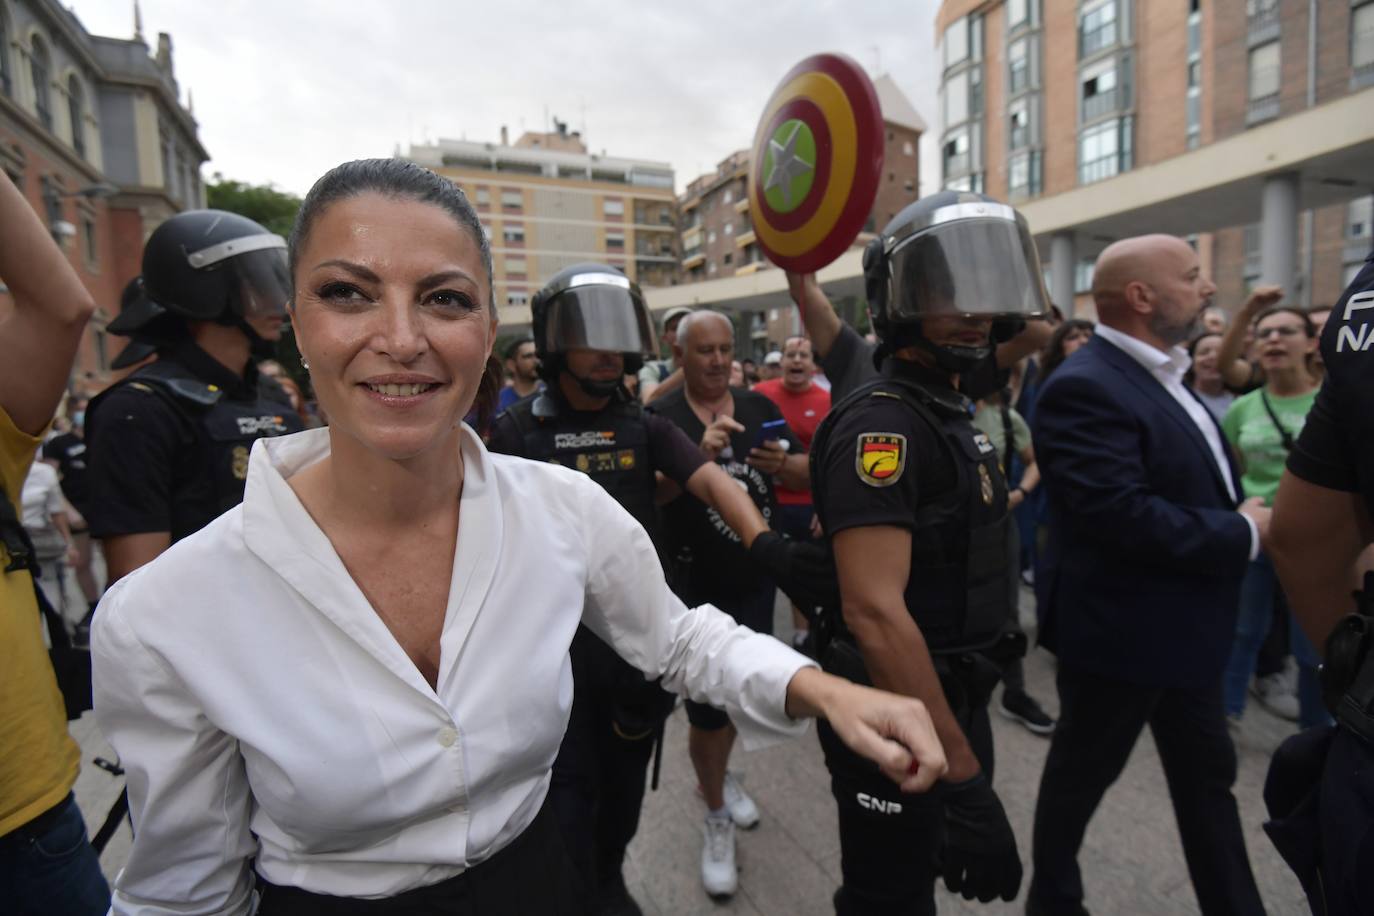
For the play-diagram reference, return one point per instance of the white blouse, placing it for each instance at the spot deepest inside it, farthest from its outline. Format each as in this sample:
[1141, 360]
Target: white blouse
[262, 709]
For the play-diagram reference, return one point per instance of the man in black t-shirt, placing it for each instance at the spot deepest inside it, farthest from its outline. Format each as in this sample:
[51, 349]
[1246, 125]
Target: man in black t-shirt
[729, 424]
[1320, 789]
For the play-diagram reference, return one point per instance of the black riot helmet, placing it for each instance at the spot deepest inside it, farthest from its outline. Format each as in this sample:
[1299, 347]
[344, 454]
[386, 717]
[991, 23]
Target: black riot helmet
[143, 321]
[590, 307]
[953, 253]
[209, 265]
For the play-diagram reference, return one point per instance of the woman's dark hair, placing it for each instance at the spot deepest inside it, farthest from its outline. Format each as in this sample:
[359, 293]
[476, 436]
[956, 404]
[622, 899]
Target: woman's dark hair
[1054, 354]
[399, 179]
[1193, 344]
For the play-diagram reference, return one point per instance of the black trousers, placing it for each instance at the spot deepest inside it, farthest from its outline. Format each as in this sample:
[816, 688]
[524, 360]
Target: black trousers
[599, 775]
[1099, 722]
[889, 841]
[530, 877]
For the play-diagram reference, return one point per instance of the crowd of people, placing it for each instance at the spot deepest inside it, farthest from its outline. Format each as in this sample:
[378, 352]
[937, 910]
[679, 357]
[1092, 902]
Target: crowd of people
[358, 543]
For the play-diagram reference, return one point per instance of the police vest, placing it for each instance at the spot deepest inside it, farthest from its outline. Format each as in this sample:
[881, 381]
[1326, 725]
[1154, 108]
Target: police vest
[610, 447]
[958, 590]
[224, 427]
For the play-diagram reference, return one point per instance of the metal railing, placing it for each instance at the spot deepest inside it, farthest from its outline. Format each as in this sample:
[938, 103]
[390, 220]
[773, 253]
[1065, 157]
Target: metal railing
[1263, 25]
[1105, 102]
[1265, 108]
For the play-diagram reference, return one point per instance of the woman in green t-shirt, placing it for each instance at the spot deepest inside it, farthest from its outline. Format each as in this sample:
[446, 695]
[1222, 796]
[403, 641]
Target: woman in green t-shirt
[1262, 427]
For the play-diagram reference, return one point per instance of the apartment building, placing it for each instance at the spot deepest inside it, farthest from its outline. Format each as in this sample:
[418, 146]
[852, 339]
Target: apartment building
[547, 203]
[1046, 98]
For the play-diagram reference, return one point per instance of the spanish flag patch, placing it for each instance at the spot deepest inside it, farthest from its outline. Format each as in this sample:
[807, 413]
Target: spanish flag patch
[880, 458]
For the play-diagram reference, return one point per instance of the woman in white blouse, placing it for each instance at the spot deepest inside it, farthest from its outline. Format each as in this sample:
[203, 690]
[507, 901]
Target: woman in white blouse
[356, 682]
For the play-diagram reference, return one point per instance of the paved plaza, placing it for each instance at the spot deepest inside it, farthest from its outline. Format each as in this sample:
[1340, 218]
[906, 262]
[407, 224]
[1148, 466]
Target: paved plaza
[1132, 861]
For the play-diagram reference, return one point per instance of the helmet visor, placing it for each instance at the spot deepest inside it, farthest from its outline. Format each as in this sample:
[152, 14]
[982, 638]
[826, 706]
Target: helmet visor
[983, 267]
[599, 314]
[263, 282]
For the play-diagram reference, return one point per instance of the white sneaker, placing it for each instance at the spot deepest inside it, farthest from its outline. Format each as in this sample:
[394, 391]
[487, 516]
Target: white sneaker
[1276, 694]
[742, 809]
[718, 873]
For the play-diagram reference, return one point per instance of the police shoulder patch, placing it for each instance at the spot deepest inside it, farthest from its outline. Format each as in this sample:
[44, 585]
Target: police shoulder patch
[880, 458]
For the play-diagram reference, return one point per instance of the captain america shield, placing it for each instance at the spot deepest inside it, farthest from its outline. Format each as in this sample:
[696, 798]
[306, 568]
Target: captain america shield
[817, 160]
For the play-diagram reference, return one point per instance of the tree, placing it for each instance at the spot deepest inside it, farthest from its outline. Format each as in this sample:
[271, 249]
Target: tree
[265, 204]
[275, 210]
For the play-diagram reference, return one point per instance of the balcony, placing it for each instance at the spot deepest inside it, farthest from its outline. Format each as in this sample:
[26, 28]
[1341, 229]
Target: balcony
[693, 260]
[1264, 108]
[1263, 25]
[745, 238]
[1102, 103]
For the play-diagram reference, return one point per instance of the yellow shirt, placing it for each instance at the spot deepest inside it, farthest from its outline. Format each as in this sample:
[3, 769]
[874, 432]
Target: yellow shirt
[38, 758]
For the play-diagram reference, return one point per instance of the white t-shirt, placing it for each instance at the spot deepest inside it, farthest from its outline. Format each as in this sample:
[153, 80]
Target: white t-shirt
[42, 497]
[250, 689]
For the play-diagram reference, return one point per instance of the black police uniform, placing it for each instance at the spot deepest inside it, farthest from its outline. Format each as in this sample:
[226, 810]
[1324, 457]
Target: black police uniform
[599, 775]
[1320, 789]
[168, 446]
[901, 451]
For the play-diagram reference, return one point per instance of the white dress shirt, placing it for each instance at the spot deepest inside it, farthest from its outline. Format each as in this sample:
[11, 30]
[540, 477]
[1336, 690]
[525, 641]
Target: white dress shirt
[261, 708]
[1169, 369]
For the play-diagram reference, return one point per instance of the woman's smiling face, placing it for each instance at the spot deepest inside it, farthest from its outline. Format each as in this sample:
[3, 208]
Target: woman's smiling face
[393, 314]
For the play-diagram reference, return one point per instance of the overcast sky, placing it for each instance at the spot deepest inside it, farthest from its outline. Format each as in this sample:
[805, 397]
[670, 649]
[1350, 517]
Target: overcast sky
[286, 89]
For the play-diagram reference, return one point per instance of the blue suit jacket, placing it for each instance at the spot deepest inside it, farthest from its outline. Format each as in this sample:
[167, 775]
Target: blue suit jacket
[1140, 580]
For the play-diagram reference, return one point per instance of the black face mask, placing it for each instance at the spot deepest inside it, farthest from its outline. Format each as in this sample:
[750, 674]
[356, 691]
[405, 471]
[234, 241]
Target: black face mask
[597, 389]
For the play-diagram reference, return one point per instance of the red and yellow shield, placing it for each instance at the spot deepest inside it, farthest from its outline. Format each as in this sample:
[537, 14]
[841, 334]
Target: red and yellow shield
[817, 160]
[880, 458]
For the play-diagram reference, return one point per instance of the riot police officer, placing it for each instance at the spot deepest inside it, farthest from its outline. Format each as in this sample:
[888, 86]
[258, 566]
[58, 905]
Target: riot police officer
[912, 501]
[169, 444]
[591, 327]
[1320, 788]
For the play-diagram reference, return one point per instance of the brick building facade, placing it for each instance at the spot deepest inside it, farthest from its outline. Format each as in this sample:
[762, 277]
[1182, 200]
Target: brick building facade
[1040, 97]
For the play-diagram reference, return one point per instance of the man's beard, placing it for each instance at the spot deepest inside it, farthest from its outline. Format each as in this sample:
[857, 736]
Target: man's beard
[1173, 333]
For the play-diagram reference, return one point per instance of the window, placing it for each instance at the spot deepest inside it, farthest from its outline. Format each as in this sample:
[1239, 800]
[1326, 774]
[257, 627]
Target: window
[1083, 275]
[513, 233]
[1019, 115]
[1264, 71]
[92, 248]
[512, 200]
[967, 183]
[729, 257]
[613, 206]
[908, 149]
[515, 266]
[615, 241]
[1099, 90]
[1096, 27]
[76, 111]
[1257, 7]
[1016, 12]
[1104, 150]
[711, 237]
[954, 104]
[729, 228]
[517, 299]
[1023, 175]
[956, 153]
[39, 64]
[482, 196]
[1362, 39]
[956, 43]
[729, 195]
[1358, 215]
[1018, 66]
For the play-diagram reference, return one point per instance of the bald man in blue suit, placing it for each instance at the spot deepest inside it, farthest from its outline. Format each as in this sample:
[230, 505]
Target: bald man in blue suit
[1140, 583]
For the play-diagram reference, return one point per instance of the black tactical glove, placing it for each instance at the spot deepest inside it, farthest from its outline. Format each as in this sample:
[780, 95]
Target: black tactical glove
[805, 572]
[979, 857]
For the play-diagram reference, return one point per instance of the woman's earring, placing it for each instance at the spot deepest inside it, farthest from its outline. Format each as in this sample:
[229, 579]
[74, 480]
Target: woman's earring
[304, 365]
